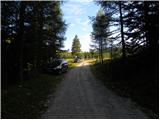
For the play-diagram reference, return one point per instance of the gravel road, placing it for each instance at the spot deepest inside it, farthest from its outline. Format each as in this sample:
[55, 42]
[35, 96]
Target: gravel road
[80, 95]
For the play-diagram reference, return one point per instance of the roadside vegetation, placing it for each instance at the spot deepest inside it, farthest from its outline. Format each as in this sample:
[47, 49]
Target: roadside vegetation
[32, 96]
[72, 64]
[125, 30]
[30, 39]
[132, 78]
[124, 52]
[30, 100]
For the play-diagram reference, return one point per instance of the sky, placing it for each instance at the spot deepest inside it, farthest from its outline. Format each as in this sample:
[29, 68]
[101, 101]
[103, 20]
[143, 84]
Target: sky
[76, 15]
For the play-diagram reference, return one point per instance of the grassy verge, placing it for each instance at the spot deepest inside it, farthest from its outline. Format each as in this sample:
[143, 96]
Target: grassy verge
[130, 80]
[72, 64]
[29, 101]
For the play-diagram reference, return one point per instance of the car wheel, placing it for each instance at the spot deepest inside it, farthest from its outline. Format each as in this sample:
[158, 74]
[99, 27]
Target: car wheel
[60, 72]
[66, 68]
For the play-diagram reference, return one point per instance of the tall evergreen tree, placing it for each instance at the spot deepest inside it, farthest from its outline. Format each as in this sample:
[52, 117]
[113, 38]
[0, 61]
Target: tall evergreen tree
[141, 20]
[76, 46]
[32, 32]
[114, 10]
[20, 39]
[136, 19]
[100, 32]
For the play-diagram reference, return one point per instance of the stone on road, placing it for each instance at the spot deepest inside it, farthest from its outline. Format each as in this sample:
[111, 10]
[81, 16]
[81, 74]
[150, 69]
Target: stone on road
[80, 95]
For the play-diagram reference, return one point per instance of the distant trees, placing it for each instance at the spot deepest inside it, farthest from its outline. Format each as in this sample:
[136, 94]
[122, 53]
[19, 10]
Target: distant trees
[64, 54]
[100, 32]
[32, 32]
[76, 46]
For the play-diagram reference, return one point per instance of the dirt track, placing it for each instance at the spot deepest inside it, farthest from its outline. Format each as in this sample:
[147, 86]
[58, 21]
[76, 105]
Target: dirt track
[80, 95]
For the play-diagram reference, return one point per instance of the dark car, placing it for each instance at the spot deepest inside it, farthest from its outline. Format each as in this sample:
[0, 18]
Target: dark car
[77, 60]
[57, 66]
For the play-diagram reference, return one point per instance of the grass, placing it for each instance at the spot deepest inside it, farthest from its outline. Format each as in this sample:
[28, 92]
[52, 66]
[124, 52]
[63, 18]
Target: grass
[72, 64]
[91, 61]
[132, 79]
[29, 101]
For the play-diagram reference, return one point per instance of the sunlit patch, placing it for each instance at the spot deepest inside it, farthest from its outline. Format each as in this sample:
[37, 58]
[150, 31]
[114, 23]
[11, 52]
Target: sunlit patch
[86, 63]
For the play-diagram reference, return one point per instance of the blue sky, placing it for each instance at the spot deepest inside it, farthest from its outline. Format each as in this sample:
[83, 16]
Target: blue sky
[76, 15]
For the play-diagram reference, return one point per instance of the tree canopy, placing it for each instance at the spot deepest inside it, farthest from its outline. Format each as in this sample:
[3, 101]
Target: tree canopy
[32, 33]
[100, 32]
[134, 22]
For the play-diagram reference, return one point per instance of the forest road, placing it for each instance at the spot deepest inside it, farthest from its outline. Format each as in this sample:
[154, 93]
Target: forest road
[80, 95]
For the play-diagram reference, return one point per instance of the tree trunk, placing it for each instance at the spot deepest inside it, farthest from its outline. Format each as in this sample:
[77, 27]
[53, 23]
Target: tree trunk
[146, 24]
[122, 33]
[101, 51]
[21, 40]
[111, 51]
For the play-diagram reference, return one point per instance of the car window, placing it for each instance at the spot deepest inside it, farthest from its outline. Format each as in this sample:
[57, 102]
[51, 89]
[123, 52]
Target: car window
[55, 63]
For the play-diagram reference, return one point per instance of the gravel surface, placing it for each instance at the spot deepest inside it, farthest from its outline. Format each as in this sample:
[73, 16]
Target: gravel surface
[80, 95]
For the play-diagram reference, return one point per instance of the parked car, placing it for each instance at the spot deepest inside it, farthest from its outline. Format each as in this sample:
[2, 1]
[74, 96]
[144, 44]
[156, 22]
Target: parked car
[57, 66]
[77, 60]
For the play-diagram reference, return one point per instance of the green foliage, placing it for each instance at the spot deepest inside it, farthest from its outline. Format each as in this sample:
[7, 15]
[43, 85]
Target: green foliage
[100, 32]
[88, 55]
[64, 54]
[76, 46]
[139, 19]
[32, 32]
[136, 76]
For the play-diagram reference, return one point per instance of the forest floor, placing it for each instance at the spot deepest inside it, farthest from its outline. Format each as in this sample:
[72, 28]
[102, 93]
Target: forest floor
[133, 81]
[81, 95]
[30, 100]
